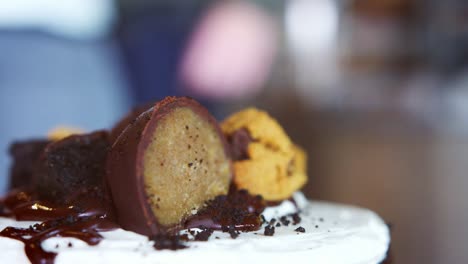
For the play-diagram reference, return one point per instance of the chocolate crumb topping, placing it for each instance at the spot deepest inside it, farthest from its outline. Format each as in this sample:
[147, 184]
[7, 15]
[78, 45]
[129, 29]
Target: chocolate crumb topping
[296, 218]
[278, 224]
[232, 231]
[164, 241]
[238, 211]
[284, 221]
[269, 231]
[204, 234]
[234, 234]
[300, 229]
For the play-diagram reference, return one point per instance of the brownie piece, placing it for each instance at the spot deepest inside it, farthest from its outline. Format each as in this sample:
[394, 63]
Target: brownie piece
[25, 155]
[73, 168]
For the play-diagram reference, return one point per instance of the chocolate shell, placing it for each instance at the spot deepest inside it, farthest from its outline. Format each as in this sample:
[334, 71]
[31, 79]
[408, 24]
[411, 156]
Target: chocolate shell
[166, 165]
[127, 120]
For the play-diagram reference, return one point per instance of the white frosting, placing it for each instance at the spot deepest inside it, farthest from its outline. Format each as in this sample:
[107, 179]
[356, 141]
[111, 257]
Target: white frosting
[334, 234]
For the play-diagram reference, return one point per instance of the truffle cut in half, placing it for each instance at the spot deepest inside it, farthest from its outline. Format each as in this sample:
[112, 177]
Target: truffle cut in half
[128, 119]
[167, 164]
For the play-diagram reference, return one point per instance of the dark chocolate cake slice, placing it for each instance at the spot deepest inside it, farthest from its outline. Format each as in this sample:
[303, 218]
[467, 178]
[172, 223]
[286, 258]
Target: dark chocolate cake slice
[25, 155]
[72, 170]
[166, 165]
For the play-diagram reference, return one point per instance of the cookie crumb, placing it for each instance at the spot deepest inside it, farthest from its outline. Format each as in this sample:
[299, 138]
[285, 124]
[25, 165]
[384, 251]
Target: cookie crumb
[284, 221]
[272, 221]
[296, 218]
[231, 230]
[300, 229]
[167, 242]
[204, 234]
[269, 231]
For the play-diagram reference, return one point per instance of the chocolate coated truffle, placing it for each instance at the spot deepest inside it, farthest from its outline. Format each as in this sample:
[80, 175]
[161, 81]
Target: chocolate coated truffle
[165, 165]
[127, 120]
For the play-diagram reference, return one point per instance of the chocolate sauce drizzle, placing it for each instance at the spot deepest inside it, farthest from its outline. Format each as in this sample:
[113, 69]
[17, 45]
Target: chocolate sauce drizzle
[83, 222]
[233, 213]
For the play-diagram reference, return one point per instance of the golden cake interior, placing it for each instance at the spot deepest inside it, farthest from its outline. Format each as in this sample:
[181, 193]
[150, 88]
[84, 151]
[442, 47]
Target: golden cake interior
[185, 165]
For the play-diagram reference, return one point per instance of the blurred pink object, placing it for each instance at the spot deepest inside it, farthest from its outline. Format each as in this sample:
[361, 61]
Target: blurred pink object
[231, 51]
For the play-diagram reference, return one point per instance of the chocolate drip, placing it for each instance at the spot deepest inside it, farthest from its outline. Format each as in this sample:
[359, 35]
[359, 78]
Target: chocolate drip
[84, 228]
[130, 118]
[83, 222]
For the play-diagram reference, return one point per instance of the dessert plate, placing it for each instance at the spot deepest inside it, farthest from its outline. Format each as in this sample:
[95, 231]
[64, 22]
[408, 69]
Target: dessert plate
[334, 233]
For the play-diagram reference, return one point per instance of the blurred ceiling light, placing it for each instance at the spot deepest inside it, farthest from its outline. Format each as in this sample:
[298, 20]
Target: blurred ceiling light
[311, 24]
[230, 52]
[80, 19]
[312, 33]
[455, 102]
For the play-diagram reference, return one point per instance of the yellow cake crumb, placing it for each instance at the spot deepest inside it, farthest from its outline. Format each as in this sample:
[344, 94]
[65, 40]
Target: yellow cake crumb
[275, 167]
[62, 132]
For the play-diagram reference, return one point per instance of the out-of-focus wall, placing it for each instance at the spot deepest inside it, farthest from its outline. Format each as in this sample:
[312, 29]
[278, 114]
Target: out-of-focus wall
[380, 105]
[382, 161]
[450, 166]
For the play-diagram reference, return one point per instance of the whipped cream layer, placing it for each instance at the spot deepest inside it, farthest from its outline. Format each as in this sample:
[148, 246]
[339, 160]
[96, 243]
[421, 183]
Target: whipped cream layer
[334, 234]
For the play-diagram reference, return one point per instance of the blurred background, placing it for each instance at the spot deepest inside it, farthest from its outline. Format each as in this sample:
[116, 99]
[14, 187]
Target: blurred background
[376, 91]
